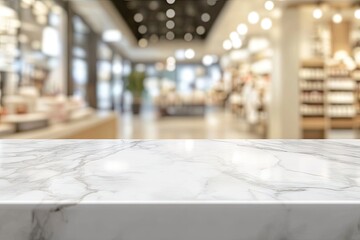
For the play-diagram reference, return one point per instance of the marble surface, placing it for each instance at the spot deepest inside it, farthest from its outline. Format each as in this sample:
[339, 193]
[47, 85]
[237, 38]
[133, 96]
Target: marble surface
[173, 171]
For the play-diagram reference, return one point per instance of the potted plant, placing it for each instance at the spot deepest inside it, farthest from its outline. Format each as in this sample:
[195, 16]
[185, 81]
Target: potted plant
[135, 85]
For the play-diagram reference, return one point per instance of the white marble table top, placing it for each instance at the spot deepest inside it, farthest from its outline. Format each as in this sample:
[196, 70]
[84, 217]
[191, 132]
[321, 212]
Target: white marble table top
[179, 171]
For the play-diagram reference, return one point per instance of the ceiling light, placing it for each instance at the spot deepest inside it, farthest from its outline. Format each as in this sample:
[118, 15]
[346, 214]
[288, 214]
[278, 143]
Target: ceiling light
[236, 43]
[170, 35]
[143, 43]
[207, 60]
[269, 5]
[170, 24]
[234, 35]
[180, 54]
[188, 37]
[170, 68]
[357, 13]
[138, 17]
[170, 1]
[171, 60]
[154, 38]
[211, 2]
[154, 5]
[111, 35]
[253, 17]
[317, 13]
[242, 29]
[170, 13]
[142, 29]
[337, 18]
[227, 45]
[200, 30]
[266, 23]
[189, 53]
[161, 16]
[205, 17]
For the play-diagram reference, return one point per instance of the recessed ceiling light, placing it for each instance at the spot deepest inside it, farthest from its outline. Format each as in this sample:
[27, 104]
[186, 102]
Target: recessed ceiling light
[170, 35]
[317, 13]
[236, 43]
[234, 35]
[170, 67]
[357, 13]
[227, 45]
[143, 43]
[170, 24]
[171, 60]
[269, 5]
[170, 1]
[188, 37]
[161, 16]
[180, 54]
[142, 29]
[266, 23]
[154, 38]
[205, 17]
[111, 35]
[242, 29]
[207, 60]
[211, 2]
[138, 17]
[253, 17]
[189, 53]
[153, 5]
[200, 30]
[337, 18]
[170, 13]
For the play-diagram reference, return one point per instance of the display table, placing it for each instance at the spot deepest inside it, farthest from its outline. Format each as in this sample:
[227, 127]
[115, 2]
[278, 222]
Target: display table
[96, 126]
[179, 190]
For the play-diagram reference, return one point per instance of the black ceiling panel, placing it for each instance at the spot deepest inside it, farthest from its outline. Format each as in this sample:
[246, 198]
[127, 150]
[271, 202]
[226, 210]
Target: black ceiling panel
[191, 17]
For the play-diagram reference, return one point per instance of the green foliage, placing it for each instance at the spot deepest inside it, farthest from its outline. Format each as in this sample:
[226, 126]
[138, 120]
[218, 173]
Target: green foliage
[136, 83]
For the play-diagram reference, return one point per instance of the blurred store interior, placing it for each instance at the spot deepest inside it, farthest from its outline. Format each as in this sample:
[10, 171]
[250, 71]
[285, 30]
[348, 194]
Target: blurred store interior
[137, 69]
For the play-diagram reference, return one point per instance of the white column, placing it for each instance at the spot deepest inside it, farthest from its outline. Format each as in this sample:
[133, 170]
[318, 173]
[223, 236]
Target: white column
[284, 115]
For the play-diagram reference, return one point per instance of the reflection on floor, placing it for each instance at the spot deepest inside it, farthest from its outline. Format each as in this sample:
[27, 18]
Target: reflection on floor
[216, 124]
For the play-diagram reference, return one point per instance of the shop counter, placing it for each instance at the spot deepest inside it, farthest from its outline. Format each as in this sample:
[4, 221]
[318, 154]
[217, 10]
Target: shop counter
[100, 125]
[179, 189]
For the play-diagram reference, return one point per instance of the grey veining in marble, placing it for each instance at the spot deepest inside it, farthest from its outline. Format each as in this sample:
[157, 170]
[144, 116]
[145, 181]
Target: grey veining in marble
[203, 171]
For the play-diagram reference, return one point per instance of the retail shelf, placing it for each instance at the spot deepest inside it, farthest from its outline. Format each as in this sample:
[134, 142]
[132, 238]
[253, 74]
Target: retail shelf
[314, 123]
[342, 123]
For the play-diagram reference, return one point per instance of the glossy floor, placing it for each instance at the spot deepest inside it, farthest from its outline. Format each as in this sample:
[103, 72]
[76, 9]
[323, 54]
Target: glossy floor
[216, 124]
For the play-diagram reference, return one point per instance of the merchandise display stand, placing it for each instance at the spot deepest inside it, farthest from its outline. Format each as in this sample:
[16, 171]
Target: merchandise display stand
[312, 95]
